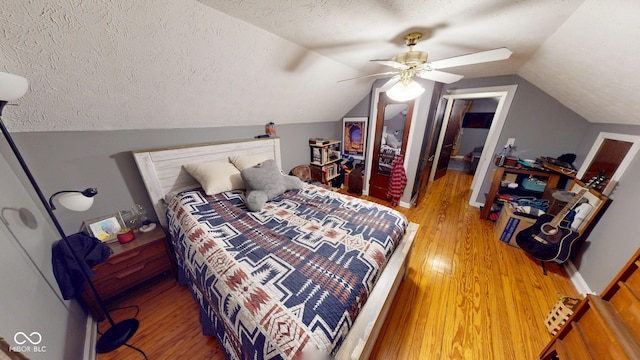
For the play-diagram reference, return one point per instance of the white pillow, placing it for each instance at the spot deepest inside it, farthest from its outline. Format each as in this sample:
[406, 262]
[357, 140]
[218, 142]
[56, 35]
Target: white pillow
[216, 176]
[246, 161]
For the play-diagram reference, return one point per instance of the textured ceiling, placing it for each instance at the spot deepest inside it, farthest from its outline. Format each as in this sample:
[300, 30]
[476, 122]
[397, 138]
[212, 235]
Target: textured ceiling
[355, 31]
[117, 64]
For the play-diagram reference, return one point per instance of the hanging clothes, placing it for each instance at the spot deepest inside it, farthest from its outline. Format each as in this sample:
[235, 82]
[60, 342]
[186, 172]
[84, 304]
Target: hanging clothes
[398, 181]
[67, 271]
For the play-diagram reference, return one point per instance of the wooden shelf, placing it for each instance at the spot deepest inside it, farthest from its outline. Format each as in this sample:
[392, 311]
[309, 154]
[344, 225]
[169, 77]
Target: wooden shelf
[552, 182]
[325, 160]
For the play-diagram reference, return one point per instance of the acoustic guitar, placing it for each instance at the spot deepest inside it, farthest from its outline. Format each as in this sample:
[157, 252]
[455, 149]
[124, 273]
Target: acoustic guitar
[551, 237]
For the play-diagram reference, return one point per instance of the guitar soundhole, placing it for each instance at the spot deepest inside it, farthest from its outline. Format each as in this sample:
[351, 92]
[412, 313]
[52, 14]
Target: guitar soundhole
[548, 229]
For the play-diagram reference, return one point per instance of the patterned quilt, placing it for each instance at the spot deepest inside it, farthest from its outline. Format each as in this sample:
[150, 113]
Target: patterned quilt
[288, 279]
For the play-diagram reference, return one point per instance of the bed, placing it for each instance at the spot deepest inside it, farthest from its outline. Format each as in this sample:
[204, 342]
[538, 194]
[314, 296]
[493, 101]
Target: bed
[267, 318]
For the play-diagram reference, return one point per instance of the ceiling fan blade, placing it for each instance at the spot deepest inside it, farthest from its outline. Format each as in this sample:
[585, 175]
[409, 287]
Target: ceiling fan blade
[440, 76]
[393, 64]
[475, 58]
[366, 76]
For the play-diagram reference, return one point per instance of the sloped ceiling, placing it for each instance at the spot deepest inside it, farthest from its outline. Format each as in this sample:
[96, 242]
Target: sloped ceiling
[119, 64]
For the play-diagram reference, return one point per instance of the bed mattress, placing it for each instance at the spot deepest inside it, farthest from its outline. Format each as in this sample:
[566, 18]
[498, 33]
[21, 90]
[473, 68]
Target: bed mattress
[287, 279]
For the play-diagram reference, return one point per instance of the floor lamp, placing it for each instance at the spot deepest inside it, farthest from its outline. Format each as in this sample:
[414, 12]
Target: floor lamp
[13, 87]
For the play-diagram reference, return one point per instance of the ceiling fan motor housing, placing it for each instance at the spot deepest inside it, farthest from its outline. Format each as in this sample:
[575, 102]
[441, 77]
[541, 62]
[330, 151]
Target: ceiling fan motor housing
[411, 58]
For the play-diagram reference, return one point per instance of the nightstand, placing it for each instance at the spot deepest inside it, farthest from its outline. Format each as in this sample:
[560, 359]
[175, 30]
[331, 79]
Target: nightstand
[129, 265]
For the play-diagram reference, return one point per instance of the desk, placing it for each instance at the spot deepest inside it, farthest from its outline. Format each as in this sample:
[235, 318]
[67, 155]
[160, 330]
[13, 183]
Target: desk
[552, 182]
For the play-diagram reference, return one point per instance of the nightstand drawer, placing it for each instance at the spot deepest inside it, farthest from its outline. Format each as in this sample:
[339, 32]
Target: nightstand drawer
[121, 263]
[131, 275]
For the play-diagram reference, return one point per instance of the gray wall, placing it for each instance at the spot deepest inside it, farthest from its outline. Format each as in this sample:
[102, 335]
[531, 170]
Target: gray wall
[102, 159]
[472, 138]
[484, 105]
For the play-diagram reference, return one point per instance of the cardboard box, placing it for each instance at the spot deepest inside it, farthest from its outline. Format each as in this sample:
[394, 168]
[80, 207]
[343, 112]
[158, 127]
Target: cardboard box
[510, 224]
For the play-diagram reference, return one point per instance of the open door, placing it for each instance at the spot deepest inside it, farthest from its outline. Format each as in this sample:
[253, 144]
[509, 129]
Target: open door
[459, 108]
[428, 151]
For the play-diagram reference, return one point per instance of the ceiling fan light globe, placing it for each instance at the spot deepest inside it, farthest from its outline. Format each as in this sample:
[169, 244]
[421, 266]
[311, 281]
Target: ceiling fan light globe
[402, 92]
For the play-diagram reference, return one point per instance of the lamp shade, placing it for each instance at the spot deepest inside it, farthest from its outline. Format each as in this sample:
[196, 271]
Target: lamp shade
[75, 201]
[402, 92]
[12, 86]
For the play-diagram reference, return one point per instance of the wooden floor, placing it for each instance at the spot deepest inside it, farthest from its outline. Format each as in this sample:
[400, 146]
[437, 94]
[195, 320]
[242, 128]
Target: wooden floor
[466, 296]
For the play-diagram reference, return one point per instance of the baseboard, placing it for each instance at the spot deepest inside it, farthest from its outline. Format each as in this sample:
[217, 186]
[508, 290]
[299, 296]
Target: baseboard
[405, 204]
[577, 279]
[90, 339]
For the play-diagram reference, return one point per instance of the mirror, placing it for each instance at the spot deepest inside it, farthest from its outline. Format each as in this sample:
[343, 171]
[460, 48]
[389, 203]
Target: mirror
[395, 117]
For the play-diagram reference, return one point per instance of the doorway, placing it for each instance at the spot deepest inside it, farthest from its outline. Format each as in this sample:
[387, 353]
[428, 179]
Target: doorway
[504, 95]
[452, 136]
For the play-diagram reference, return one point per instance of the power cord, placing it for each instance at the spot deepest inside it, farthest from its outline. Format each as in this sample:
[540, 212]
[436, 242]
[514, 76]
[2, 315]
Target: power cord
[136, 315]
[128, 307]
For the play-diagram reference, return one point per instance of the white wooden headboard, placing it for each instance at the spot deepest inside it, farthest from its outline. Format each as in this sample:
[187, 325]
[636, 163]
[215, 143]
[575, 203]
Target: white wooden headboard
[162, 172]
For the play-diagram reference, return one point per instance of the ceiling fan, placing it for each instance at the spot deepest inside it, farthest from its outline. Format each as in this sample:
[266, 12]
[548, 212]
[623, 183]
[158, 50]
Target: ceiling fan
[414, 63]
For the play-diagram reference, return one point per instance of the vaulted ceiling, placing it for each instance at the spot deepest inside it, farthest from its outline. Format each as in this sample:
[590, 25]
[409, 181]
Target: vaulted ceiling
[119, 64]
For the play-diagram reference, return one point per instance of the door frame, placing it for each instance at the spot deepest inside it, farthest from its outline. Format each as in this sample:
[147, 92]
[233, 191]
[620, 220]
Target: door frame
[426, 154]
[505, 95]
[371, 137]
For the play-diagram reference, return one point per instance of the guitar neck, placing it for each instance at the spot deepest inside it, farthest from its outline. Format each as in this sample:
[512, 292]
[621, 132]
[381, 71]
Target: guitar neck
[563, 213]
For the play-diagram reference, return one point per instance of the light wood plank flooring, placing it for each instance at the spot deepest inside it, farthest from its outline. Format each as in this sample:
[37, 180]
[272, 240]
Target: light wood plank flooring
[466, 296]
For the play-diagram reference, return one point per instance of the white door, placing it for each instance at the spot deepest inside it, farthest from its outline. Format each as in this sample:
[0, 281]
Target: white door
[34, 317]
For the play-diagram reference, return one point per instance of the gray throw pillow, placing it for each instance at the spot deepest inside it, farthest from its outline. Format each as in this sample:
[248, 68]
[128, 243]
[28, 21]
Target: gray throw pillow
[264, 182]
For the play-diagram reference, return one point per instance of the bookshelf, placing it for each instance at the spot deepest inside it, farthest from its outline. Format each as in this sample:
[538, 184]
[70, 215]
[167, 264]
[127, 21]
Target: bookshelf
[324, 159]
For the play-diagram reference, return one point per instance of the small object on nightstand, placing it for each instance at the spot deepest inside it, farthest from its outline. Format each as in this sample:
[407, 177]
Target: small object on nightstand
[125, 235]
[148, 227]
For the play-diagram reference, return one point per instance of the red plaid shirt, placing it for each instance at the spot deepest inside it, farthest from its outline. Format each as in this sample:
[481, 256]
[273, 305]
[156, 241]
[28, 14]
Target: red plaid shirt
[397, 182]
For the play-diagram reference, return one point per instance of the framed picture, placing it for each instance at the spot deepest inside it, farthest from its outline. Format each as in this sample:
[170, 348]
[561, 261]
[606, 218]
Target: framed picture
[104, 228]
[354, 131]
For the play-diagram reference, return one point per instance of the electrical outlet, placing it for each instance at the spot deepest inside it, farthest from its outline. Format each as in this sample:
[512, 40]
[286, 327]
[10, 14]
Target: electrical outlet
[511, 141]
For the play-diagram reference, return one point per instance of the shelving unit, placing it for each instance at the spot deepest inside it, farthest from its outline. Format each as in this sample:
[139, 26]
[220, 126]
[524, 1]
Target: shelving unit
[325, 158]
[552, 179]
